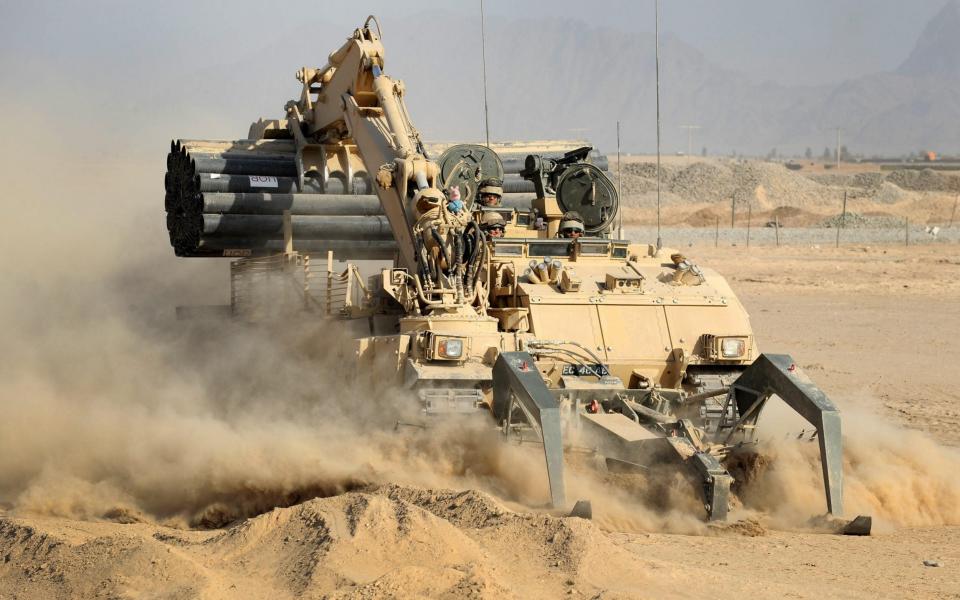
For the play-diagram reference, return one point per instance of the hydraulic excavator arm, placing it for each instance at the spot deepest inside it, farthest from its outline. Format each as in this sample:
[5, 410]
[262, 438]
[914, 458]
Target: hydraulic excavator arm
[350, 99]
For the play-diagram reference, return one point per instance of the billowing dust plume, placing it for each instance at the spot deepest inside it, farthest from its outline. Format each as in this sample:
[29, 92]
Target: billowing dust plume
[901, 477]
[113, 408]
[198, 424]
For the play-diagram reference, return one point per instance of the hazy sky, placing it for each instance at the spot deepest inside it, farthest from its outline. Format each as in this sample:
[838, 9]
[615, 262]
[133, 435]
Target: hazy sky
[105, 75]
[808, 41]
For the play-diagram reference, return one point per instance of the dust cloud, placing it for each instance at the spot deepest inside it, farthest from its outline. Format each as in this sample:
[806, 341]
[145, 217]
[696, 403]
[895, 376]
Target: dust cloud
[201, 424]
[114, 409]
[899, 476]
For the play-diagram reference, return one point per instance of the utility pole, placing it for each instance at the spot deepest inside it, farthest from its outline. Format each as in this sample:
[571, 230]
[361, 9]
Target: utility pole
[838, 148]
[954, 213]
[689, 129]
[843, 217]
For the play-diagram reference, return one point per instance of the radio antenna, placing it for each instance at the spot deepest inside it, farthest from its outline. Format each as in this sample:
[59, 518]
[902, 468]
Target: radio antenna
[657, 40]
[483, 58]
[619, 184]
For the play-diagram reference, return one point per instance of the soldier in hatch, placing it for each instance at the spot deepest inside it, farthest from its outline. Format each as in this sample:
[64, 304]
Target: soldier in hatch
[492, 224]
[571, 225]
[490, 193]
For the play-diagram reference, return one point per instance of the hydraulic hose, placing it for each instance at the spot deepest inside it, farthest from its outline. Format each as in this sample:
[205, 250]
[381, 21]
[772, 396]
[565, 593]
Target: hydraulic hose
[443, 250]
[542, 343]
[457, 271]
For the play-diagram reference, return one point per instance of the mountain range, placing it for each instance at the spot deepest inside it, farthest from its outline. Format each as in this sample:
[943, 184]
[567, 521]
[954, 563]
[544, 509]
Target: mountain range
[561, 78]
[551, 77]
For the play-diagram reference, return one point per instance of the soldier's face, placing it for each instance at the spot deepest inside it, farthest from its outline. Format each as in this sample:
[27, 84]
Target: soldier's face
[496, 232]
[490, 200]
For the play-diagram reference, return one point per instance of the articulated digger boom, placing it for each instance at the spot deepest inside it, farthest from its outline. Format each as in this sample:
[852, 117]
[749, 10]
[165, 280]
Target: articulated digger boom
[350, 99]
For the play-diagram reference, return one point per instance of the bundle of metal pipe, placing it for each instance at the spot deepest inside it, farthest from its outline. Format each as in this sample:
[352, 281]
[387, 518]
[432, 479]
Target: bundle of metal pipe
[192, 163]
[514, 163]
[227, 198]
[241, 248]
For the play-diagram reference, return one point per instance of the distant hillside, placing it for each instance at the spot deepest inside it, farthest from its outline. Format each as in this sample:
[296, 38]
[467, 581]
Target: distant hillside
[562, 78]
[937, 52]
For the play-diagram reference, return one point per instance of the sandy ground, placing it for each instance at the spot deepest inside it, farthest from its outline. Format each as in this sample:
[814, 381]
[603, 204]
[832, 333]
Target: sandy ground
[875, 327]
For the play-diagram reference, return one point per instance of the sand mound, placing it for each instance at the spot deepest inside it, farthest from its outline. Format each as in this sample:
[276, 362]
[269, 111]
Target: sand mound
[702, 217]
[384, 543]
[60, 559]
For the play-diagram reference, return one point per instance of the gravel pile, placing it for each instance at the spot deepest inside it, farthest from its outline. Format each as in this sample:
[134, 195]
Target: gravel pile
[704, 182]
[855, 221]
[766, 184]
[831, 179]
[868, 180]
[926, 180]
[769, 185]
[888, 193]
[858, 180]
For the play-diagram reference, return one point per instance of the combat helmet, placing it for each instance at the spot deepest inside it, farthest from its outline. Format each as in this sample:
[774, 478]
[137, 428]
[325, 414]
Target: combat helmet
[493, 187]
[492, 223]
[571, 223]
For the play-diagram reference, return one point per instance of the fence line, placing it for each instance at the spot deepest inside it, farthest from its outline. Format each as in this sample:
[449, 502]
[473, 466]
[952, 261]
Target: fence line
[775, 234]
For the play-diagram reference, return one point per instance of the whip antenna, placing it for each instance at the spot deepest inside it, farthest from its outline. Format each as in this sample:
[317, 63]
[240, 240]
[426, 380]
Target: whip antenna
[619, 185]
[483, 58]
[656, 6]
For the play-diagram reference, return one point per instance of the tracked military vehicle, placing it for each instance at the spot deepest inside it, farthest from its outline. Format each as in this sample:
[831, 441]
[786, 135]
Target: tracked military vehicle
[595, 341]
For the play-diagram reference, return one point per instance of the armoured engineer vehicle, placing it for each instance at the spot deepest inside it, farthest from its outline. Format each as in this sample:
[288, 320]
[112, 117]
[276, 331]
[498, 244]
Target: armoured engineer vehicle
[626, 348]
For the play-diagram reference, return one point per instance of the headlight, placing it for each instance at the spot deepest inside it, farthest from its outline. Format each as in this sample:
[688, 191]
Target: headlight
[715, 347]
[445, 347]
[450, 348]
[732, 347]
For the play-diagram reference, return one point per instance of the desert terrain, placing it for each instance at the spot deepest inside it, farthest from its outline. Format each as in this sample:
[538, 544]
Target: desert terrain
[147, 457]
[178, 502]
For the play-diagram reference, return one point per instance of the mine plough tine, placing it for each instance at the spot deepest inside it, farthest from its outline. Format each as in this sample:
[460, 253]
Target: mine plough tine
[517, 383]
[716, 485]
[713, 476]
[778, 374]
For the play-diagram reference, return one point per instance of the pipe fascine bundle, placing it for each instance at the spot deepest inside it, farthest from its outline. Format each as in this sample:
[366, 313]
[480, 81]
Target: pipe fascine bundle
[224, 198]
[243, 247]
[308, 227]
[514, 163]
[212, 182]
[312, 204]
[298, 204]
[239, 190]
